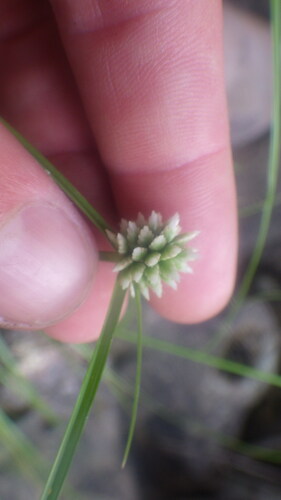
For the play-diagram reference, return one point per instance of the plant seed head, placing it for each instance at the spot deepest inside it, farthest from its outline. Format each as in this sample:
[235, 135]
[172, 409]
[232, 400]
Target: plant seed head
[151, 252]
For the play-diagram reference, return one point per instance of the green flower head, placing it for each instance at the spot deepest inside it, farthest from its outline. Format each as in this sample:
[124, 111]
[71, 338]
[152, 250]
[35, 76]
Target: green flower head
[151, 252]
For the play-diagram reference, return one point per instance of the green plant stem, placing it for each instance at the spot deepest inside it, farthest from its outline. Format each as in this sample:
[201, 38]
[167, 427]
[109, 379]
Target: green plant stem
[194, 426]
[20, 386]
[204, 358]
[272, 177]
[14, 380]
[122, 389]
[269, 296]
[85, 399]
[28, 459]
[138, 379]
[274, 154]
[256, 208]
[66, 186]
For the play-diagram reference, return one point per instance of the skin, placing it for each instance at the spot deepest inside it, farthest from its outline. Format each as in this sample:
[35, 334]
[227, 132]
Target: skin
[127, 98]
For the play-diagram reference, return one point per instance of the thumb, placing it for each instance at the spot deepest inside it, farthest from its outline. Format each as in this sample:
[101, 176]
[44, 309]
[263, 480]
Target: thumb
[48, 255]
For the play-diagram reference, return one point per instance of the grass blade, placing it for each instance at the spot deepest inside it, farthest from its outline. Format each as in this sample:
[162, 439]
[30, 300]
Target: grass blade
[12, 378]
[204, 358]
[85, 399]
[29, 461]
[138, 378]
[152, 405]
[17, 384]
[272, 176]
[66, 186]
[274, 155]
[121, 389]
[256, 208]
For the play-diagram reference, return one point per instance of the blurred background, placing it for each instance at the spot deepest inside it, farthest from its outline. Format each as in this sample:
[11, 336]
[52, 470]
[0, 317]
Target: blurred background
[202, 432]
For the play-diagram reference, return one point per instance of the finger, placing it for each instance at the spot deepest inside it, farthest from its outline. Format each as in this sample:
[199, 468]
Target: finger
[38, 96]
[209, 208]
[37, 90]
[48, 256]
[86, 323]
[151, 77]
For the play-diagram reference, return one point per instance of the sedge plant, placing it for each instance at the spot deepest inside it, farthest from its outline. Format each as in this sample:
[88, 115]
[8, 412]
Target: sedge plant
[146, 253]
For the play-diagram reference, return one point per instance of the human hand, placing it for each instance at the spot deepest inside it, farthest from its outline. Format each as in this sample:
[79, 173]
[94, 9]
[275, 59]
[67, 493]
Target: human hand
[137, 121]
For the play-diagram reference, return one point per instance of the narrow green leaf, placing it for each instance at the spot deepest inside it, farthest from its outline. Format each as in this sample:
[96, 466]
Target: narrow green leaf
[274, 154]
[256, 208]
[62, 182]
[121, 388]
[85, 399]
[13, 379]
[204, 358]
[26, 456]
[20, 386]
[272, 177]
[270, 296]
[138, 377]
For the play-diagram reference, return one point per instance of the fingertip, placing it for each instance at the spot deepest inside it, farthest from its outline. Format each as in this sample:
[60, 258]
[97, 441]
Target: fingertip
[85, 324]
[204, 194]
[48, 255]
[196, 300]
[204, 293]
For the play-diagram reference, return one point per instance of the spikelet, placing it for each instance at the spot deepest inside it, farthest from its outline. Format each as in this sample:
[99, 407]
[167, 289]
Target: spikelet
[152, 251]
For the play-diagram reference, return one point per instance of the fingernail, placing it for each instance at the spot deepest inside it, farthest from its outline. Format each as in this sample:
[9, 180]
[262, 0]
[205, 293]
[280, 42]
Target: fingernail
[47, 262]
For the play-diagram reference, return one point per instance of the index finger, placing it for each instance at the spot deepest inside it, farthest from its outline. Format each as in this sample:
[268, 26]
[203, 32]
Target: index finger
[151, 77]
